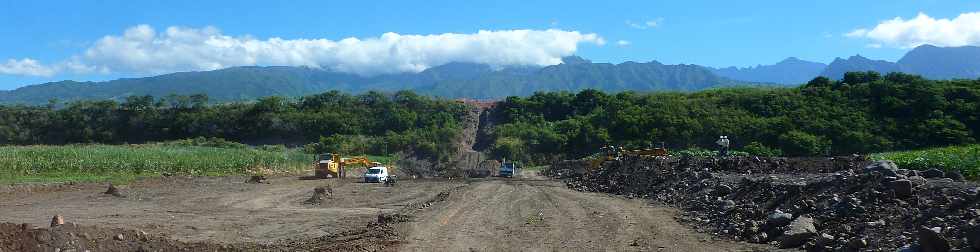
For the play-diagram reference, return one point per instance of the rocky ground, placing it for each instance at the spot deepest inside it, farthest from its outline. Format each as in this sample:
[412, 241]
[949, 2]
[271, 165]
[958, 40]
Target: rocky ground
[816, 204]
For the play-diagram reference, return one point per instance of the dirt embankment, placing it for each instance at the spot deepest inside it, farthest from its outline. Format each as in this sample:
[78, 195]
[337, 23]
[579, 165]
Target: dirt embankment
[465, 153]
[820, 204]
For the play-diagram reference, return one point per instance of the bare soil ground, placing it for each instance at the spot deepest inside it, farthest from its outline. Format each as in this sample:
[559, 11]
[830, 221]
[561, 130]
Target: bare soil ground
[225, 213]
[530, 214]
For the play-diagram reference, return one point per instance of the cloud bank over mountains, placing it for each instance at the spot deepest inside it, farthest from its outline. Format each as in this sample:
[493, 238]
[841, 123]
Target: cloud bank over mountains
[142, 49]
[962, 30]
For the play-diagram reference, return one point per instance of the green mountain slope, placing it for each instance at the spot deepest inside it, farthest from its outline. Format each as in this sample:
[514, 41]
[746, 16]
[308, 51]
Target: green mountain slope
[455, 80]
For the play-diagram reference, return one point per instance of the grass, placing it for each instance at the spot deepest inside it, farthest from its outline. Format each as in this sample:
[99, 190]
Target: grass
[696, 152]
[964, 159]
[122, 163]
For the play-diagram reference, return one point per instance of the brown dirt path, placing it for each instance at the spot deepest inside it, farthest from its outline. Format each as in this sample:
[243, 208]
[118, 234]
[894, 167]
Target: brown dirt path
[543, 215]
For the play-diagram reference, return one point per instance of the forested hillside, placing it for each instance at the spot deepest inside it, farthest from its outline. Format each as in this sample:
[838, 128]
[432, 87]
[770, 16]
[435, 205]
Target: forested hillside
[862, 113]
[865, 112]
[371, 123]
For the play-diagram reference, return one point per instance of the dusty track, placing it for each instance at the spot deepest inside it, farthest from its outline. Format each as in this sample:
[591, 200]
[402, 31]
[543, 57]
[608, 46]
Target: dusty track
[542, 215]
[527, 214]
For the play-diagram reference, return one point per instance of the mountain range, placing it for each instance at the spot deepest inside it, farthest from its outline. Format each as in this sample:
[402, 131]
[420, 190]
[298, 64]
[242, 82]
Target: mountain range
[929, 61]
[469, 80]
[789, 71]
[452, 80]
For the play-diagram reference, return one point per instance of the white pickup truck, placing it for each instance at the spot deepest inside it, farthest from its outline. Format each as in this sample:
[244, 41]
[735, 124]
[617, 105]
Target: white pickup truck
[377, 174]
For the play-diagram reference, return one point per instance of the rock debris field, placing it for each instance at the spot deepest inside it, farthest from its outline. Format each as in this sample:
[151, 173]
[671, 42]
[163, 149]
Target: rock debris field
[812, 204]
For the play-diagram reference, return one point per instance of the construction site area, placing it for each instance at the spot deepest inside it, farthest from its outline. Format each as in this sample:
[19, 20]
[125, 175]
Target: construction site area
[616, 200]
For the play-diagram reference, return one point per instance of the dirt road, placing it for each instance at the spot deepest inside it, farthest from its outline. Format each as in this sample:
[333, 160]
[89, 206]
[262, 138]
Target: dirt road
[542, 215]
[523, 214]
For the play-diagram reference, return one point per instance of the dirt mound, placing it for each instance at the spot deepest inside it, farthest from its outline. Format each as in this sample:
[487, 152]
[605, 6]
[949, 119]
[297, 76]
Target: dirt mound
[71, 237]
[112, 190]
[320, 194]
[257, 179]
[849, 202]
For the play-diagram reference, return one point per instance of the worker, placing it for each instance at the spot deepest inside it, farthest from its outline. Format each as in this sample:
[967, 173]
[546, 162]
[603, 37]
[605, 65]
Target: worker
[723, 144]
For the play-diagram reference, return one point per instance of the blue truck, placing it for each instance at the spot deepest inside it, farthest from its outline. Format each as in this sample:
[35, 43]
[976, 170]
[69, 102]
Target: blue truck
[507, 169]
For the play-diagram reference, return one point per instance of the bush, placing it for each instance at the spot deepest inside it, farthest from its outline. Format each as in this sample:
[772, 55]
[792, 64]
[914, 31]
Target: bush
[205, 142]
[963, 159]
[758, 149]
[798, 143]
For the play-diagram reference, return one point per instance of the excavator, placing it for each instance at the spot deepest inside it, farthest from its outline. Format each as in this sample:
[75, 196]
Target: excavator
[609, 153]
[333, 165]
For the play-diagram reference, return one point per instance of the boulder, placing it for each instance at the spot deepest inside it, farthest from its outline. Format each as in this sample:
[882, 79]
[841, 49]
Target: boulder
[955, 176]
[887, 168]
[933, 173]
[973, 237]
[822, 242]
[918, 180]
[722, 190]
[778, 219]
[856, 244]
[902, 188]
[727, 204]
[914, 173]
[798, 232]
[931, 240]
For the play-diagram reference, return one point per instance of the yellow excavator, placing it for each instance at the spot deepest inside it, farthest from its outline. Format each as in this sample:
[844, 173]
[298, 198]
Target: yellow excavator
[609, 153]
[333, 165]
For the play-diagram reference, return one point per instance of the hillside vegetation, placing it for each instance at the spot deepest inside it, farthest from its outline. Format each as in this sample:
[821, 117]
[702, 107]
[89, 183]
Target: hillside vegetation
[962, 159]
[862, 113]
[371, 123]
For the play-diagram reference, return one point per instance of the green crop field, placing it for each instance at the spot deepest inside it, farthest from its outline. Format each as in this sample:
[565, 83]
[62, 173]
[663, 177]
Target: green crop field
[964, 159]
[122, 163]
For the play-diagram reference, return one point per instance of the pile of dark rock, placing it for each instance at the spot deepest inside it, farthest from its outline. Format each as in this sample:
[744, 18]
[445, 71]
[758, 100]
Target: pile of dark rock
[817, 204]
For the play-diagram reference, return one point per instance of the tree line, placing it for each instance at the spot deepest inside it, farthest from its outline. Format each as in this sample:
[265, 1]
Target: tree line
[370, 123]
[862, 113]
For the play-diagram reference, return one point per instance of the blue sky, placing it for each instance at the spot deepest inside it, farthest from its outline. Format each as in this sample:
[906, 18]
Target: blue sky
[713, 33]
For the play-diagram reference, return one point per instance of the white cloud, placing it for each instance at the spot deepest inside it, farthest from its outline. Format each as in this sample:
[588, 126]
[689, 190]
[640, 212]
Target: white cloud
[142, 49]
[646, 24]
[623, 43]
[26, 66]
[857, 33]
[923, 29]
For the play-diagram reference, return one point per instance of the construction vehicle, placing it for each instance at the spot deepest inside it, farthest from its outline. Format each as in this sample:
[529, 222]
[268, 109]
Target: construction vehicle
[610, 153]
[507, 169]
[377, 174]
[333, 165]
